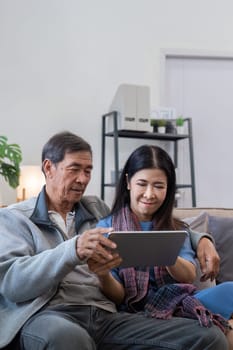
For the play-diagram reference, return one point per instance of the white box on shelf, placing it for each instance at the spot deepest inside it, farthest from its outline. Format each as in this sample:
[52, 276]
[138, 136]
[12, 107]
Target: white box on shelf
[132, 102]
[124, 102]
[143, 108]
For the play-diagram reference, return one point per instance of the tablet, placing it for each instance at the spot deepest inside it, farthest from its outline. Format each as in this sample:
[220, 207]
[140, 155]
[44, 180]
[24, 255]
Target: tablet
[148, 248]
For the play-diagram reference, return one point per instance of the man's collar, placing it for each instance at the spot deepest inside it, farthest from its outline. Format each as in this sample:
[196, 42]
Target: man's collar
[40, 214]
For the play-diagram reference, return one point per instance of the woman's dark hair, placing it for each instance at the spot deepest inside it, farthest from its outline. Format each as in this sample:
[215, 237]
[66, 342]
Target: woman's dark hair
[148, 157]
[60, 144]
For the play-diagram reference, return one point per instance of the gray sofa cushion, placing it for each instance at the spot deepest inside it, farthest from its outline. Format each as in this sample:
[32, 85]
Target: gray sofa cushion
[198, 223]
[222, 230]
[220, 225]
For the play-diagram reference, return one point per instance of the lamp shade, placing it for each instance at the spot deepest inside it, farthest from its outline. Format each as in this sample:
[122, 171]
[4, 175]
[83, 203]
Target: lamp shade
[31, 181]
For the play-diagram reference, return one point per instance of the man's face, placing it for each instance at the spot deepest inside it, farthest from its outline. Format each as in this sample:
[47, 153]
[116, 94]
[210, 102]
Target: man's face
[67, 180]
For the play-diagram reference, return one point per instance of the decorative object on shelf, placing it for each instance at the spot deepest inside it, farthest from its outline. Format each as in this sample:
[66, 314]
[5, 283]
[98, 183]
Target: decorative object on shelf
[180, 124]
[132, 102]
[10, 159]
[170, 128]
[31, 181]
[159, 125]
[162, 126]
[154, 123]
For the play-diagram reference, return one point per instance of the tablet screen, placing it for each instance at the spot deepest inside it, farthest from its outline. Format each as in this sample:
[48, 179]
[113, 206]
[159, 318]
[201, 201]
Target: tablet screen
[148, 248]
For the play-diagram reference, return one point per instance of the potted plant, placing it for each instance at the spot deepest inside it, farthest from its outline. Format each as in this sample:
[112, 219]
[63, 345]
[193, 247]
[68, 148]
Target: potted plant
[10, 159]
[159, 125]
[180, 124]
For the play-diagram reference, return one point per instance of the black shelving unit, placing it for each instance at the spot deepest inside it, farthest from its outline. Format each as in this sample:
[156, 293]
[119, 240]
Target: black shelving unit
[116, 134]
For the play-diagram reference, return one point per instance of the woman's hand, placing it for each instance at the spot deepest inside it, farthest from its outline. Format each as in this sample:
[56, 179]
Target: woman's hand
[113, 289]
[102, 267]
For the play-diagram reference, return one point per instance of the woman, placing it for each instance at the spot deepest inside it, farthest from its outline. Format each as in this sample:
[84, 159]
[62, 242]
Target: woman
[144, 200]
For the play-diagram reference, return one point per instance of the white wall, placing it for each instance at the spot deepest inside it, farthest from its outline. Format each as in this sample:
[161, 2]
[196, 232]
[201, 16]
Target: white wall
[61, 61]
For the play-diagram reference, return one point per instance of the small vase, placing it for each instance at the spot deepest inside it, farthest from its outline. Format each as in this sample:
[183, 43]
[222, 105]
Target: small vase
[180, 129]
[161, 129]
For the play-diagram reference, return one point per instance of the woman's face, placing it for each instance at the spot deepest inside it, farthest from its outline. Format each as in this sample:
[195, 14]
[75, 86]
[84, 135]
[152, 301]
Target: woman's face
[148, 189]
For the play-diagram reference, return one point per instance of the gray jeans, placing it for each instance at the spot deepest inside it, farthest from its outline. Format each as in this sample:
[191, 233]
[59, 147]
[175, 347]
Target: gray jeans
[91, 328]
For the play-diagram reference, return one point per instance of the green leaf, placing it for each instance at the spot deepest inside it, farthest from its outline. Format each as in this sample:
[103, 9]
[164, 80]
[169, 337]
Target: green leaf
[10, 159]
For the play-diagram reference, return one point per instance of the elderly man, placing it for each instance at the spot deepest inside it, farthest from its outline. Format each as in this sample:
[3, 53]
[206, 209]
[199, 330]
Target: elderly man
[49, 299]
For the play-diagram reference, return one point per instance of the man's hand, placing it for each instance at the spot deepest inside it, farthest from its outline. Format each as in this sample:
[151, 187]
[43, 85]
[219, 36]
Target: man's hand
[92, 243]
[208, 258]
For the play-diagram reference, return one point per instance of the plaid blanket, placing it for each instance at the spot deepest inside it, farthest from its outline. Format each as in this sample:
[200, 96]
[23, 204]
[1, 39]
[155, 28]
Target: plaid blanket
[167, 300]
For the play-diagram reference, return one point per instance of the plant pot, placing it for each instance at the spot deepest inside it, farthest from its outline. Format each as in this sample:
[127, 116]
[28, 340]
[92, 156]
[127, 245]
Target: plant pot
[161, 129]
[180, 129]
[170, 128]
[155, 128]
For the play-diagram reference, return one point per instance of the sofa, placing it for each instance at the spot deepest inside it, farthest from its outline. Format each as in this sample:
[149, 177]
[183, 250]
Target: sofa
[219, 223]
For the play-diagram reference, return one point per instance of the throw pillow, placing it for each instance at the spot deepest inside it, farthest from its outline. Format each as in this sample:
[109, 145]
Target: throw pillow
[222, 230]
[198, 223]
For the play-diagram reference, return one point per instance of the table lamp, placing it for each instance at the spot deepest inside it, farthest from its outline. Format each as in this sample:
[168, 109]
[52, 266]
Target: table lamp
[30, 182]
